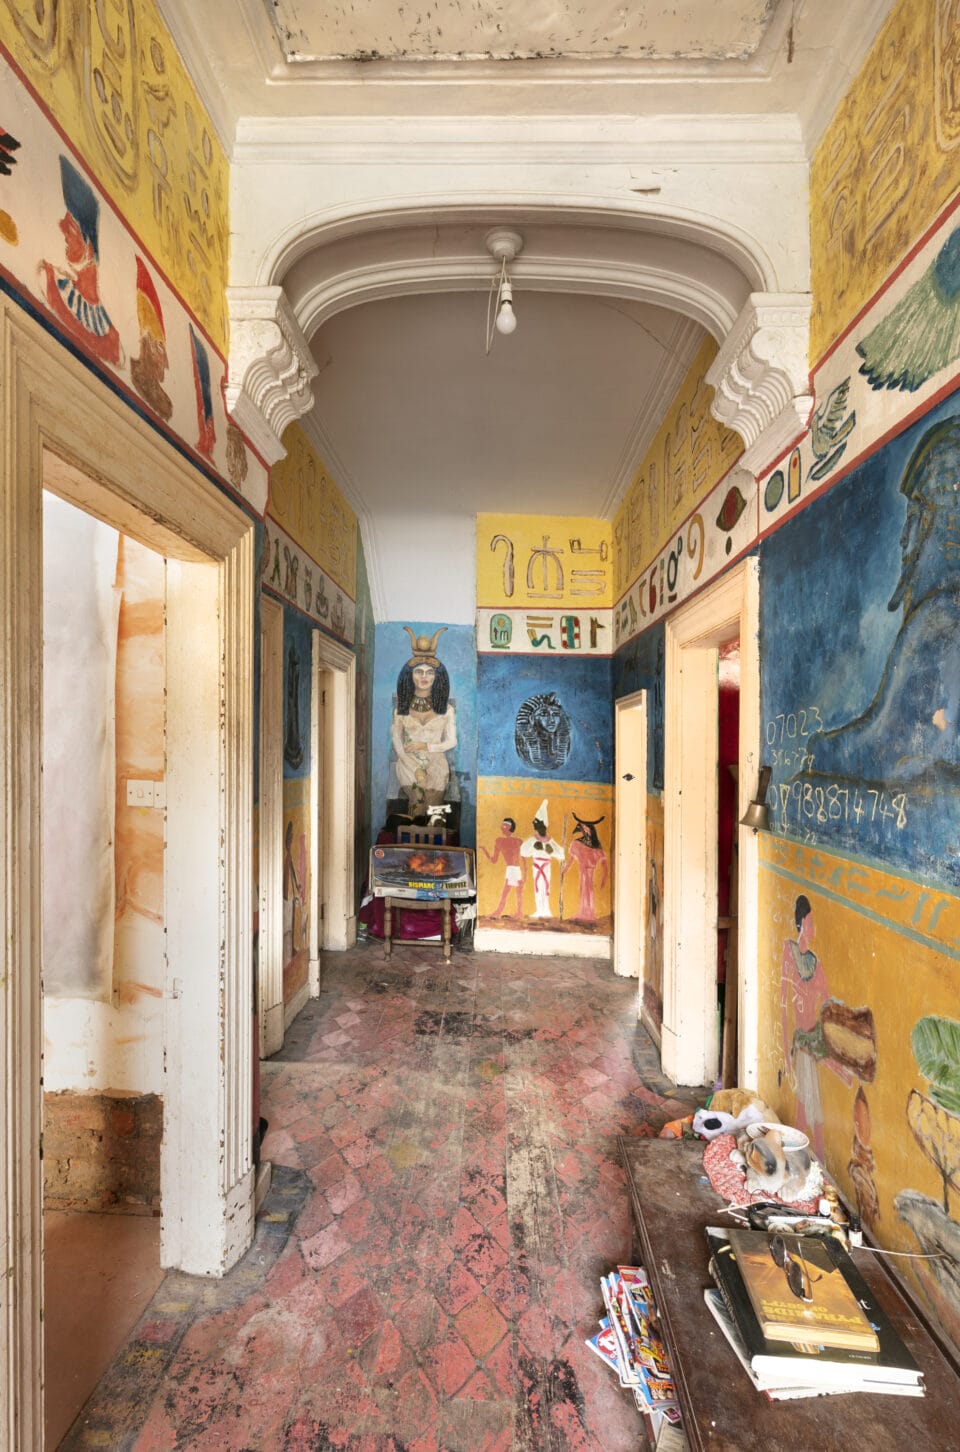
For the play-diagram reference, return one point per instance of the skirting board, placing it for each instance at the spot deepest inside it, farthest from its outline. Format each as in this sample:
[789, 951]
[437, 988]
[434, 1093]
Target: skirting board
[554, 945]
[296, 1003]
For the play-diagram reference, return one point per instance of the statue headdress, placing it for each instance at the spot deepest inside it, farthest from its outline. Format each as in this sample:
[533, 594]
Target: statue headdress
[424, 647]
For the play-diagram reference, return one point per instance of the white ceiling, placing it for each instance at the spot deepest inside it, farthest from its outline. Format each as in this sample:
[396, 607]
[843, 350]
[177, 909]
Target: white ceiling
[316, 30]
[419, 427]
[428, 429]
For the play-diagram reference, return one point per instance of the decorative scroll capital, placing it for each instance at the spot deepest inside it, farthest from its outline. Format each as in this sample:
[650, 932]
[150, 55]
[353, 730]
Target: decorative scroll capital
[271, 367]
[761, 375]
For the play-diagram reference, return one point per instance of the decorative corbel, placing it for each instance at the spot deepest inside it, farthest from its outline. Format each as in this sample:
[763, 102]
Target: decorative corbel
[761, 376]
[271, 367]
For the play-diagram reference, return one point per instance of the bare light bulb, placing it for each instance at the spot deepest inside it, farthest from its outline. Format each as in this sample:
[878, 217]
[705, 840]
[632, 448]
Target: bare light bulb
[506, 318]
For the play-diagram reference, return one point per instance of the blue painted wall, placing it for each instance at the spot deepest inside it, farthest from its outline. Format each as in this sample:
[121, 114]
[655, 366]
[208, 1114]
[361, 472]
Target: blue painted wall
[583, 688]
[456, 648]
[639, 666]
[860, 645]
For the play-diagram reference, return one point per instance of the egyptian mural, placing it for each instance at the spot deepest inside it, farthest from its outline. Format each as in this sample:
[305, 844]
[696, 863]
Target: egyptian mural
[424, 725]
[306, 503]
[297, 766]
[886, 166]
[862, 1049]
[116, 83]
[859, 917]
[545, 794]
[681, 521]
[311, 542]
[860, 636]
[76, 238]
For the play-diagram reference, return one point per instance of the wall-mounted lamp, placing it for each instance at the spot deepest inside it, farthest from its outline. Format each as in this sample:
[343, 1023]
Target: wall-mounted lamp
[756, 815]
[503, 246]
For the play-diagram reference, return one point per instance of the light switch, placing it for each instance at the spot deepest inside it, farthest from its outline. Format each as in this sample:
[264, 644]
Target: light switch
[143, 793]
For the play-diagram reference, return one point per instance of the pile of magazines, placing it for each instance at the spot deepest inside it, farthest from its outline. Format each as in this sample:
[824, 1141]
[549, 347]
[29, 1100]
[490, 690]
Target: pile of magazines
[630, 1343]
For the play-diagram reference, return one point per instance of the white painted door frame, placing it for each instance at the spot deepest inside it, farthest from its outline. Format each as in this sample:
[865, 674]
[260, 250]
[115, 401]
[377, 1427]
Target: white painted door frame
[332, 773]
[318, 858]
[690, 1041]
[270, 819]
[111, 463]
[630, 814]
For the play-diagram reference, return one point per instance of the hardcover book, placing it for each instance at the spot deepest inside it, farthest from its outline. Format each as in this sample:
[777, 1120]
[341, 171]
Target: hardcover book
[811, 1361]
[798, 1292]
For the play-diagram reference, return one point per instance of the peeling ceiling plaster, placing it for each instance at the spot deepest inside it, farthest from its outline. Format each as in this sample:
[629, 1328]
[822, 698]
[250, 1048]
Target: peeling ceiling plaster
[428, 30]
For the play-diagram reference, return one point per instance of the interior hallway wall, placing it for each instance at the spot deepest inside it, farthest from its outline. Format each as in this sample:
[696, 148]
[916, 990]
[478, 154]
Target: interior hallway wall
[860, 618]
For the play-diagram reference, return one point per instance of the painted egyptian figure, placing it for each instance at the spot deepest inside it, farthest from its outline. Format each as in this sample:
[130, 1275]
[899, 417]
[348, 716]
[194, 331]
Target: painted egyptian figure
[424, 726]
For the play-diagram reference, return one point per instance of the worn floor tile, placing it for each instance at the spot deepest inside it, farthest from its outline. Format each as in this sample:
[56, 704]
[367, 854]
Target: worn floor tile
[446, 1195]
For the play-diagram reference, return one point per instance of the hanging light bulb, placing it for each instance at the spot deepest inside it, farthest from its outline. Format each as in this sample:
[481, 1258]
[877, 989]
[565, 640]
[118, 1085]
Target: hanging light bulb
[506, 317]
[503, 246]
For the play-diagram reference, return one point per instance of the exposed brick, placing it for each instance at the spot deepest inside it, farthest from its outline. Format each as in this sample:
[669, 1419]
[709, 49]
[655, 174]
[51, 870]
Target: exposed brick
[102, 1152]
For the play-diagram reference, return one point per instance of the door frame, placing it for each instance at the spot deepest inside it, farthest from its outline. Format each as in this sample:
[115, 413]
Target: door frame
[270, 824]
[113, 464]
[332, 781]
[690, 1040]
[630, 857]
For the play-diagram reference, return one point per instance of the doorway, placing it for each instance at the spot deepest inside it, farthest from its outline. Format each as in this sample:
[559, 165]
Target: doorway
[630, 871]
[103, 946]
[270, 827]
[64, 429]
[724, 612]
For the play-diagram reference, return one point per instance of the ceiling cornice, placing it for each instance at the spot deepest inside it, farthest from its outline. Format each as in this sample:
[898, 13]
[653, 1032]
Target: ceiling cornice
[183, 22]
[680, 350]
[518, 141]
[338, 471]
[854, 36]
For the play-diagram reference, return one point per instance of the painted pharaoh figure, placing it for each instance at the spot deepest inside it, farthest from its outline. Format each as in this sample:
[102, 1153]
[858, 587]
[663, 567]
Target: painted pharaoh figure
[73, 292]
[424, 728]
[541, 851]
[586, 851]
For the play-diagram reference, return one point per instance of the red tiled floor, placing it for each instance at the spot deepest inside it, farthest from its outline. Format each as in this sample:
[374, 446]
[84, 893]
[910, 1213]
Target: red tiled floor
[445, 1138]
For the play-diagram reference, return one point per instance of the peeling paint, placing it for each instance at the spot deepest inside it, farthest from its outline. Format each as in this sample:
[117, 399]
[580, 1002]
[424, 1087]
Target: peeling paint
[309, 31]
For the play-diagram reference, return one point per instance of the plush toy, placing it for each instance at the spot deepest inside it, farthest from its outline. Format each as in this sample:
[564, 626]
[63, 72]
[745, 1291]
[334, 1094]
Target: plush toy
[777, 1161]
[728, 1111]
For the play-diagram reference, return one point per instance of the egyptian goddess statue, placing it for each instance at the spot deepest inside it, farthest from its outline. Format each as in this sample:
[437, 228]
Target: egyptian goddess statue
[424, 726]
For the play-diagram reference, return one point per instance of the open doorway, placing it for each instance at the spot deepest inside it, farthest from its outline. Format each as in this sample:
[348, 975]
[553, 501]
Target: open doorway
[103, 953]
[725, 612]
[65, 431]
[728, 853]
[631, 957]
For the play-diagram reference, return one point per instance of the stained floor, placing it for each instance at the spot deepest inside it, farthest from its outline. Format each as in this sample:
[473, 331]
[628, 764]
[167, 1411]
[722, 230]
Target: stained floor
[446, 1196]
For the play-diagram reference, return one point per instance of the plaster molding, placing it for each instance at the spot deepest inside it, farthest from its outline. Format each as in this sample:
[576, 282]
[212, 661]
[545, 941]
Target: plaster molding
[705, 305]
[680, 349]
[648, 141]
[761, 376]
[181, 19]
[314, 429]
[622, 212]
[271, 367]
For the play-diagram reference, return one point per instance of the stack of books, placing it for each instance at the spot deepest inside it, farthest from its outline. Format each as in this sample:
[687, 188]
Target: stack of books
[801, 1319]
[629, 1343]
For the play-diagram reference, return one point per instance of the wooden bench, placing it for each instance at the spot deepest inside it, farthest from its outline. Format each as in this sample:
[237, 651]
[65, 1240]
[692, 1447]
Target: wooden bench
[671, 1204]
